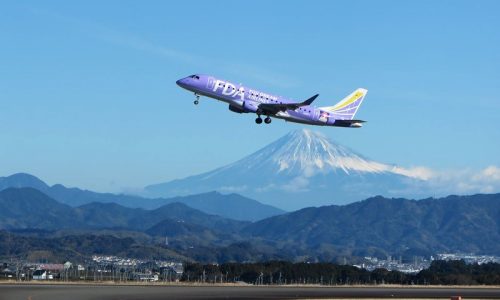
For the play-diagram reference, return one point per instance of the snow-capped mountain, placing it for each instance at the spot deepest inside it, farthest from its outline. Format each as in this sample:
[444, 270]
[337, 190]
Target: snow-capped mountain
[303, 168]
[306, 152]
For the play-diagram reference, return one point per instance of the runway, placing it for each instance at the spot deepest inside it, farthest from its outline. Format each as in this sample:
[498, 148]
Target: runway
[129, 292]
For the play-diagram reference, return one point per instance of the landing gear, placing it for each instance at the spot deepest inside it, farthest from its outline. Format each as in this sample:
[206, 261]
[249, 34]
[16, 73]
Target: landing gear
[267, 120]
[197, 101]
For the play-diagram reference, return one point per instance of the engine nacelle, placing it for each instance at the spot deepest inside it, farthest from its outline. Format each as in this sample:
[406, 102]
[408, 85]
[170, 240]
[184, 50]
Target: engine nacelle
[250, 106]
[236, 109]
[246, 107]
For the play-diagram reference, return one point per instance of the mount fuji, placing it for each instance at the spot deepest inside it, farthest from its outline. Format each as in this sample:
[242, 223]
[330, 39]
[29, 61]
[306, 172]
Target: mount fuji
[301, 169]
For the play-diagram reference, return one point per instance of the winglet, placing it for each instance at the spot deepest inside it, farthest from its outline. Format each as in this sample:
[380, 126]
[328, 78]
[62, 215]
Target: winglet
[309, 101]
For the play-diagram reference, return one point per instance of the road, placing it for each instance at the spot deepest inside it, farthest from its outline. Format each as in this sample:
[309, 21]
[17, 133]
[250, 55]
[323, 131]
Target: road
[128, 292]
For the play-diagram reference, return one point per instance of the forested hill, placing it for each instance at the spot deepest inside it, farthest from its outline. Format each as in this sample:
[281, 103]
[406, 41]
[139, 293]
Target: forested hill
[454, 223]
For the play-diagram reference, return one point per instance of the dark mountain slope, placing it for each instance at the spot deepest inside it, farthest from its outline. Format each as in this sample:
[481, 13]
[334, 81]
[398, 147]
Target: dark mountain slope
[79, 247]
[232, 206]
[454, 223]
[30, 208]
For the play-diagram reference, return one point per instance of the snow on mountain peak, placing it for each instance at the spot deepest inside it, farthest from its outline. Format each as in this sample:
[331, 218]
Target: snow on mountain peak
[305, 152]
[312, 152]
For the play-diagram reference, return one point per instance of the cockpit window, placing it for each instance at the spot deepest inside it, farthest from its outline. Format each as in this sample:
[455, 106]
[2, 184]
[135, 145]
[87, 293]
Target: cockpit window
[195, 77]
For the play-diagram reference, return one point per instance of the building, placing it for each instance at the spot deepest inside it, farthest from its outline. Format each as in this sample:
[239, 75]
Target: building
[145, 277]
[42, 274]
[51, 267]
[7, 273]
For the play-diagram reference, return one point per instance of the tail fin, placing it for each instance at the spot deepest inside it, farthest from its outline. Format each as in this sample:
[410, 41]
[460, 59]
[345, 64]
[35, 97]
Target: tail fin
[347, 107]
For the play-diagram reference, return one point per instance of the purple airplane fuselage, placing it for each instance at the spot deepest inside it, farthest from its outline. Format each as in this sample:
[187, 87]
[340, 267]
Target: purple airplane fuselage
[242, 99]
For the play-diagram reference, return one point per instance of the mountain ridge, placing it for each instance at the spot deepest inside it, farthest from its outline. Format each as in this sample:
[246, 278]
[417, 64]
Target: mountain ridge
[229, 206]
[30, 208]
[376, 226]
[453, 223]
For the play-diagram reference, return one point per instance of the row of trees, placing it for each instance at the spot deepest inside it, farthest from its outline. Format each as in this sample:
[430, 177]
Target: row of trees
[280, 272]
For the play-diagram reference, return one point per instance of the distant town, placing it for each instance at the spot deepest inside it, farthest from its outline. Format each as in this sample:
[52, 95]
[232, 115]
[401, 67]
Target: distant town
[99, 268]
[420, 263]
[105, 268]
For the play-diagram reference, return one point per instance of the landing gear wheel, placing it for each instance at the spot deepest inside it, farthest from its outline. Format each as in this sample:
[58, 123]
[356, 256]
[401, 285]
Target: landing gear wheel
[258, 120]
[267, 120]
[196, 102]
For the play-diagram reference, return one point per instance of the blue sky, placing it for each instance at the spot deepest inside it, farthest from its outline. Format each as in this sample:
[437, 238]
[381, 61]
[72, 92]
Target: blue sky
[88, 95]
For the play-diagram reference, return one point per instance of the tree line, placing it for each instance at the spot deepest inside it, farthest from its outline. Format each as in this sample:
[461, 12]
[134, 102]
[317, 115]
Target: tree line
[282, 272]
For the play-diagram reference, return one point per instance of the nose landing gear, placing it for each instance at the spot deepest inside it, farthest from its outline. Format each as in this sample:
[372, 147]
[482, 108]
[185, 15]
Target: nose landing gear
[197, 101]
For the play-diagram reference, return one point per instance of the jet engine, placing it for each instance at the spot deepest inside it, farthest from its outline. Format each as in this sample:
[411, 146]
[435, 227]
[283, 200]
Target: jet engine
[250, 106]
[245, 107]
[236, 109]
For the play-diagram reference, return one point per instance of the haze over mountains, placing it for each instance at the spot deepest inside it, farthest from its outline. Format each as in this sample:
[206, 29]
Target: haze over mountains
[30, 208]
[301, 169]
[232, 205]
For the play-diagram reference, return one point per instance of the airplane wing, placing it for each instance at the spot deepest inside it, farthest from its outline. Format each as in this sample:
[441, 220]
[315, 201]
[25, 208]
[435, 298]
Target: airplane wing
[274, 108]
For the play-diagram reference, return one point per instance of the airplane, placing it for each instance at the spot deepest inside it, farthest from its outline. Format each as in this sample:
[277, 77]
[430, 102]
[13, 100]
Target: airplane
[242, 99]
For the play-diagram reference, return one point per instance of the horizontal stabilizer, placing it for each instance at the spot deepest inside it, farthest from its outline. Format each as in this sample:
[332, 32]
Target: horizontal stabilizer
[349, 123]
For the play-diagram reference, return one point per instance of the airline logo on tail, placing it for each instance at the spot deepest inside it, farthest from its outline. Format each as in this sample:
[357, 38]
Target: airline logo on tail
[347, 107]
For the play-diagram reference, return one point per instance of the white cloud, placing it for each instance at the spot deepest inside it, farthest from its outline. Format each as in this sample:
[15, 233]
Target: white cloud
[298, 184]
[429, 183]
[490, 174]
[465, 181]
[441, 183]
[422, 173]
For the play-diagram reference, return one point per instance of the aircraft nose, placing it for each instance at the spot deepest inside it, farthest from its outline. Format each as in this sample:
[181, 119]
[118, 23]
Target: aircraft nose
[183, 82]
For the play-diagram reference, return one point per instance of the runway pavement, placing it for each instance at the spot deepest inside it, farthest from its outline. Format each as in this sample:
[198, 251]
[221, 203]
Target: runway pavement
[128, 292]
